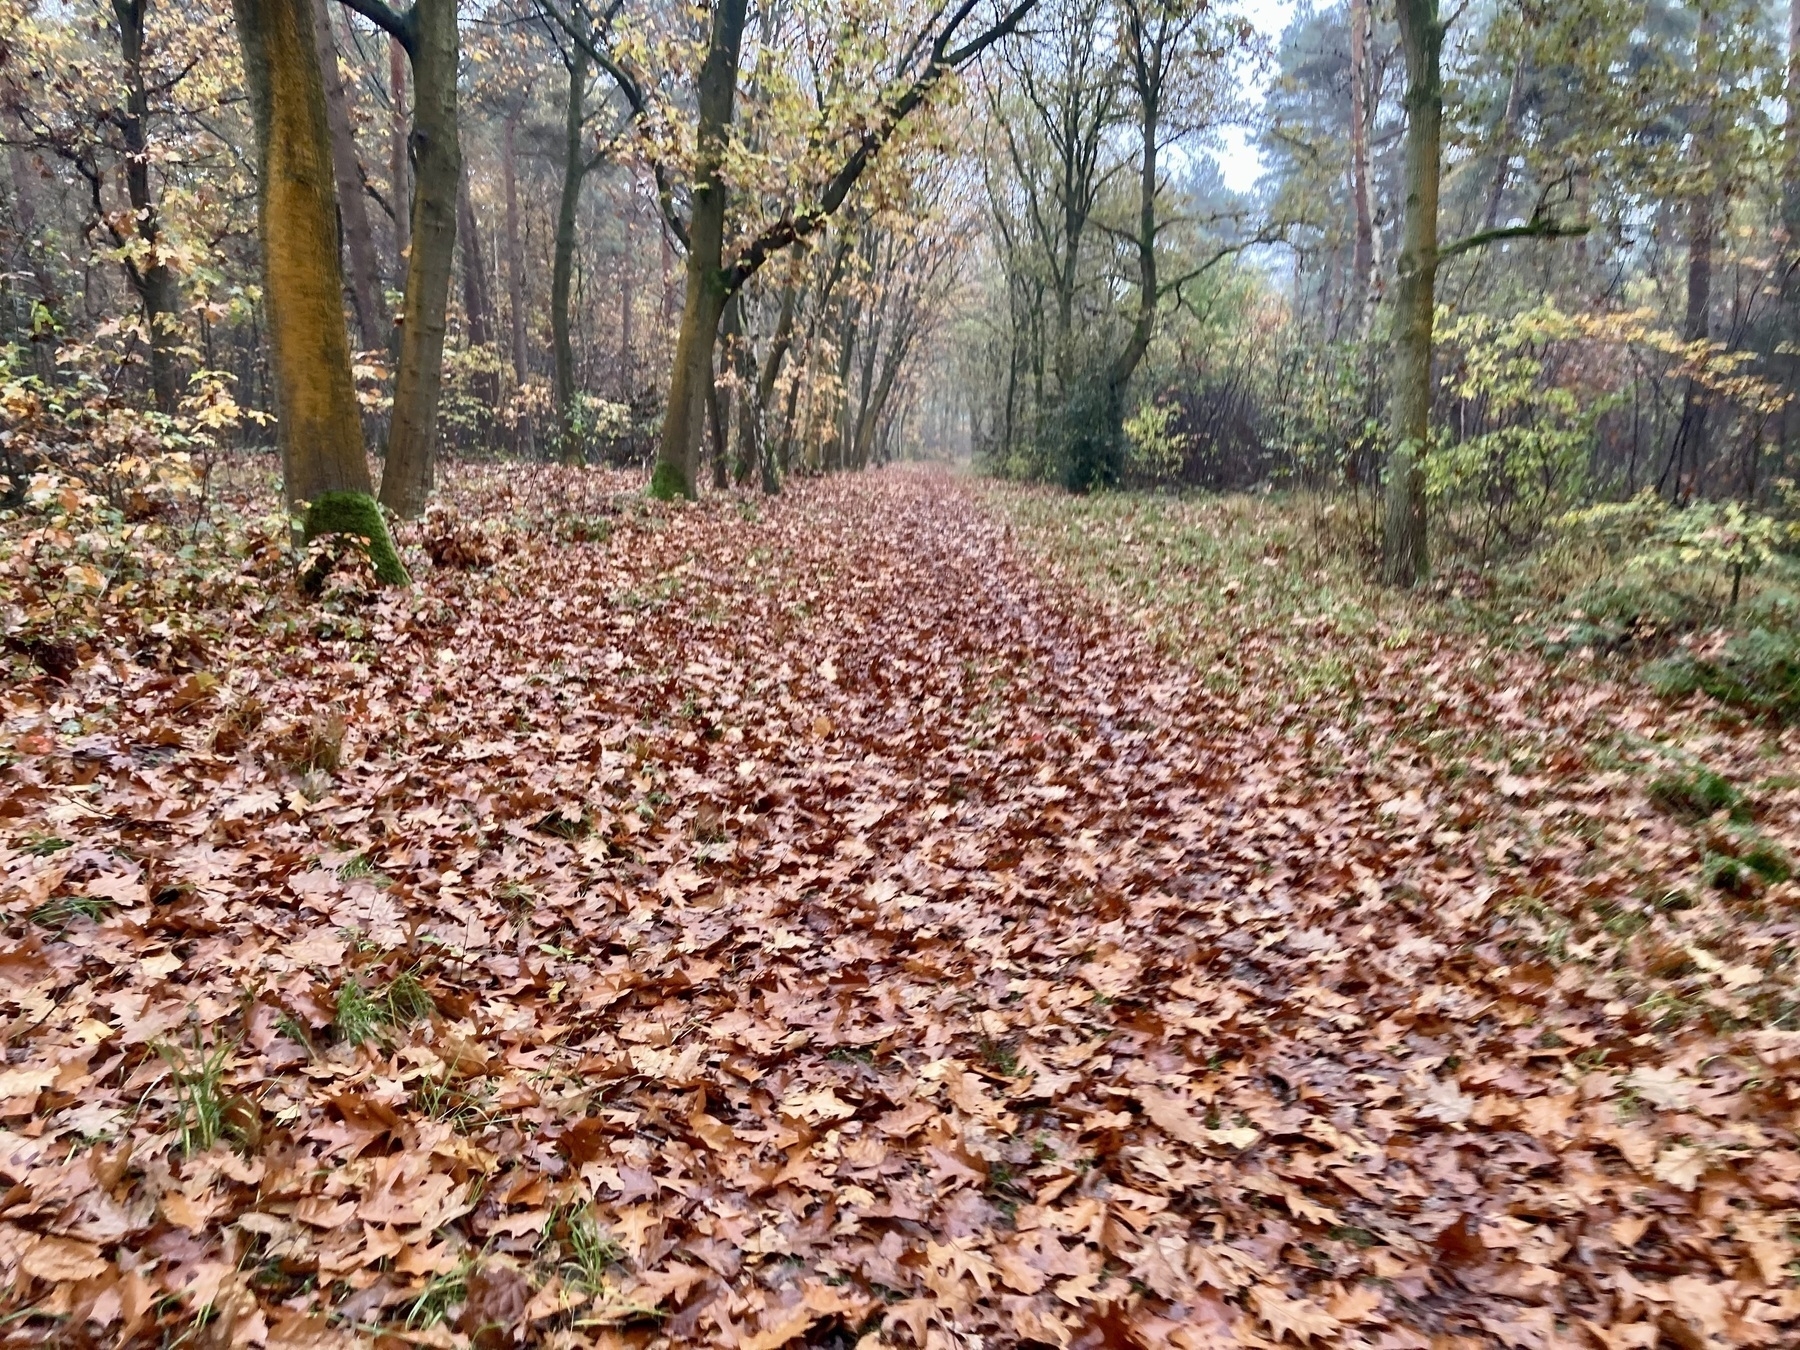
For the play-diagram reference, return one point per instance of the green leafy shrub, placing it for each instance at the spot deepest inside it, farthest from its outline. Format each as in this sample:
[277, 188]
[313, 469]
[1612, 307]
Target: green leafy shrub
[1156, 448]
[1533, 427]
[1090, 444]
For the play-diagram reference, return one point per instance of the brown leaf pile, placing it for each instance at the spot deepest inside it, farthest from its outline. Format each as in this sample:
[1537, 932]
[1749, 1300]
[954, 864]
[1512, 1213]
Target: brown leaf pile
[664, 926]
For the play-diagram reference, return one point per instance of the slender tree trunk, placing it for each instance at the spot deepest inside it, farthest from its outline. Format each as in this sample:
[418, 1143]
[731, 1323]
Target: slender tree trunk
[729, 325]
[1147, 62]
[25, 215]
[147, 269]
[319, 426]
[515, 251]
[1503, 142]
[677, 457]
[628, 297]
[847, 350]
[854, 441]
[876, 407]
[1790, 210]
[1691, 448]
[782, 340]
[1362, 282]
[437, 167]
[1790, 174]
[353, 210]
[1689, 452]
[478, 306]
[562, 268]
[1405, 555]
[399, 171]
[668, 278]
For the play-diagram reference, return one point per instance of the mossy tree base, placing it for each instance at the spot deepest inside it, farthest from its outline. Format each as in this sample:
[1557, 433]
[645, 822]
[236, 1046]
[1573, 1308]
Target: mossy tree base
[358, 515]
[668, 482]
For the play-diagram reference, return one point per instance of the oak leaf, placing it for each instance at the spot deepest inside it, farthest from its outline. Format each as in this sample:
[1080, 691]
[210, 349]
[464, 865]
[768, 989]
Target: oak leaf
[63, 1259]
[1296, 1316]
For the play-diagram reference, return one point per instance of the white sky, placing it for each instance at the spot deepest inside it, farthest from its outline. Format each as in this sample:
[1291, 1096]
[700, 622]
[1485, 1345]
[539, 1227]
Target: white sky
[1238, 159]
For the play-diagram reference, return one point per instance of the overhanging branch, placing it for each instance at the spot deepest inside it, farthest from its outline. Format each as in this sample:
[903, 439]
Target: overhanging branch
[403, 28]
[943, 61]
[1531, 229]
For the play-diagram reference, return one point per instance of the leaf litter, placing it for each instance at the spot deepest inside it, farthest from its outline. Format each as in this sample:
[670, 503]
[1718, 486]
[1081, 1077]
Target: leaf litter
[812, 922]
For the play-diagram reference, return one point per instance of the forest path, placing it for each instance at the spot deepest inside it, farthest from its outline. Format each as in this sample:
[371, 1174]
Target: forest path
[831, 927]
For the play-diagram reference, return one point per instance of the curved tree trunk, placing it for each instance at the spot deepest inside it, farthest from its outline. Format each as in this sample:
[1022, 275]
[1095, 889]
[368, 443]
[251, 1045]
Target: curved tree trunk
[437, 167]
[320, 425]
[1405, 555]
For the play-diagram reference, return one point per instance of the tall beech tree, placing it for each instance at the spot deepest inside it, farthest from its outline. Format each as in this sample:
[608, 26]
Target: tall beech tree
[428, 33]
[319, 427]
[1405, 557]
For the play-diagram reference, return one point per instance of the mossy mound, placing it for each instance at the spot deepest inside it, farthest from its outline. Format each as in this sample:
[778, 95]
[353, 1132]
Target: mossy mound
[357, 514]
[1758, 670]
[668, 482]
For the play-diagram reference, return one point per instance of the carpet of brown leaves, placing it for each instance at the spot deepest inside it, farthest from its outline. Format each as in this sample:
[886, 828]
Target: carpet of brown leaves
[797, 923]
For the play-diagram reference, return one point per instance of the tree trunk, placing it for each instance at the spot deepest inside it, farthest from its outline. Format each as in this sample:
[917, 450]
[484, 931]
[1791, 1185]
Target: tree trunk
[719, 410]
[25, 213]
[1690, 449]
[1790, 210]
[628, 297]
[1688, 453]
[851, 333]
[320, 425]
[515, 252]
[1503, 142]
[876, 406]
[437, 167]
[515, 281]
[1146, 65]
[478, 309]
[1405, 556]
[399, 172]
[1362, 282]
[353, 210]
[1790, 168]
[677, 456]
[563, 263]
[149, 273]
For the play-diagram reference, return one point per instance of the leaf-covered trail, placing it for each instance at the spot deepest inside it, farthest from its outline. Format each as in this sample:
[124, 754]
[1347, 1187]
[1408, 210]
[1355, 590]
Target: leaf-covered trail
[830, 929]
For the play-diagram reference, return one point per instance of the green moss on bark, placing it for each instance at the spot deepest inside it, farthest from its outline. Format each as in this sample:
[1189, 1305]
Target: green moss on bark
[356, 514]
[668, 482]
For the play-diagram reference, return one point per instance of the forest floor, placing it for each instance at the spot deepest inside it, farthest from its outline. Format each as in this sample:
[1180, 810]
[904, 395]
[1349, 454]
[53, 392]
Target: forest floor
[909, 910]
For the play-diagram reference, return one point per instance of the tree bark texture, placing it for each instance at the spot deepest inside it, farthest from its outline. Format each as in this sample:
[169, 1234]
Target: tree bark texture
[366, 299]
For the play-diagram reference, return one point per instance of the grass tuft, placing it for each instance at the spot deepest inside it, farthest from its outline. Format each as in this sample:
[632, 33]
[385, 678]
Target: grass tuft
[58, 912]
[200, 1098]
[362, 1015]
